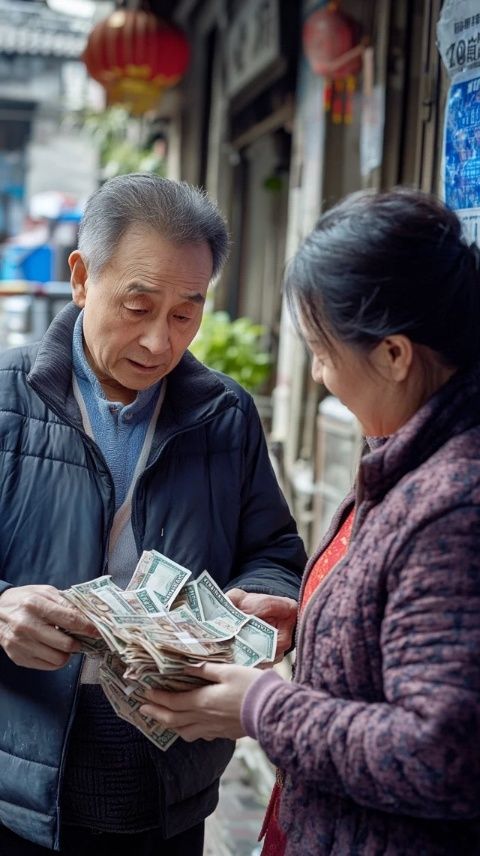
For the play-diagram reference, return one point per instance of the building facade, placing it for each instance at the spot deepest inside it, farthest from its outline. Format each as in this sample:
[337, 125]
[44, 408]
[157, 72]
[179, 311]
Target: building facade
[251, 126]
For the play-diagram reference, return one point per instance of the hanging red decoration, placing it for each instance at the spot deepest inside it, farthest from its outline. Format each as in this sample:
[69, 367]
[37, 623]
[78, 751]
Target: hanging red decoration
[333, 49]
[135, 56]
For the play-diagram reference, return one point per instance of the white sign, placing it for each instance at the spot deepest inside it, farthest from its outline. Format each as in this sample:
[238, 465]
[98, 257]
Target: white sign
[253, 43]
[458, 35]
[371, 130]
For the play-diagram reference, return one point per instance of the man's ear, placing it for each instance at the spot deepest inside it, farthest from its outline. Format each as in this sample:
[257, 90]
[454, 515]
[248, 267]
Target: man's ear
[78, 278]
[393, 357]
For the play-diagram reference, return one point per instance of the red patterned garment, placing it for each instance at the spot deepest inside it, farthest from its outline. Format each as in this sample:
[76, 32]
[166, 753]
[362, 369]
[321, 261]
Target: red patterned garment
[275, 838]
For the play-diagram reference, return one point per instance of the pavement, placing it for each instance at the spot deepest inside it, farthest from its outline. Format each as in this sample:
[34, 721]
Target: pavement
[232, 830]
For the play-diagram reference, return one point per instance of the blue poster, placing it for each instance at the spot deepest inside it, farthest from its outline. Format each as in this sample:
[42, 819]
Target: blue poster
[461, 171]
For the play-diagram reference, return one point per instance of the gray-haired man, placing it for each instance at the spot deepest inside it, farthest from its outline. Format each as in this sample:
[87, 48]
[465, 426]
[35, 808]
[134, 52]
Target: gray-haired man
[114, 439]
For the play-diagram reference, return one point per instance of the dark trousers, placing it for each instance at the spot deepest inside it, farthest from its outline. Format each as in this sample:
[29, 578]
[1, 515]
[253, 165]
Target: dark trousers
[77, 841]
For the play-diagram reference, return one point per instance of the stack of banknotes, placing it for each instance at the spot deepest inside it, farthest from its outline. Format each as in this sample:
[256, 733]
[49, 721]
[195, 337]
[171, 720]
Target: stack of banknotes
[161, 623]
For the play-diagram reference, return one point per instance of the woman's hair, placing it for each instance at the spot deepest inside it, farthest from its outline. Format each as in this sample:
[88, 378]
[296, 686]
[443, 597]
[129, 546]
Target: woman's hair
[379, 264]
[177, 211]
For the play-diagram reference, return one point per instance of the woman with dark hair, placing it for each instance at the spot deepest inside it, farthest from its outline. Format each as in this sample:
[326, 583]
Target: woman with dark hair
[378, 734]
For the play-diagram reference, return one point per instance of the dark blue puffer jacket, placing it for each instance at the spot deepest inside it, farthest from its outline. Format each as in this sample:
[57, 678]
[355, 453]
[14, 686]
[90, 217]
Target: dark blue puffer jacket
[208, 498]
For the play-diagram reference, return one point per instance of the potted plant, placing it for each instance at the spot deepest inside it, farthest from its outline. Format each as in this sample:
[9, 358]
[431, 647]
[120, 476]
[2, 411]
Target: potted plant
[235, 348]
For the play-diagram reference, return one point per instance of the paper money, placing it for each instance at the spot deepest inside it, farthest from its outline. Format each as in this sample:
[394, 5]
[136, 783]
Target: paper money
[126, 701]
[188, 596]
[159, 575]
[97, 599]
[93, 647]
[215, 603]
[261, 636]
[160, 625]
[244, 655]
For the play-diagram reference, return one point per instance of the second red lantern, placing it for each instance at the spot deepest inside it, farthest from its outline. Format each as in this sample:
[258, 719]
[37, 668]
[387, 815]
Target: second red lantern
[333, 50]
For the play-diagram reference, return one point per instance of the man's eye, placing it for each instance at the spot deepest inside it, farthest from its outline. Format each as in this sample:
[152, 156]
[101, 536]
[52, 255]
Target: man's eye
[135, 310]
[182, 318]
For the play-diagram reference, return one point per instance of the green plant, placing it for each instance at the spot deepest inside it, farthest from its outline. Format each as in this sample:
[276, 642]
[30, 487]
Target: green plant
[119, 139]
[233, 347]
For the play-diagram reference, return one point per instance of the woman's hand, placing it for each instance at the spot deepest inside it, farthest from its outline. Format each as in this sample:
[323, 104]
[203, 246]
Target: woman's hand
[207, 712]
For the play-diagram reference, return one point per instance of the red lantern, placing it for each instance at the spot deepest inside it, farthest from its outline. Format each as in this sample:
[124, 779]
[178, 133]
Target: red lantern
[331, 45]
[135, 56]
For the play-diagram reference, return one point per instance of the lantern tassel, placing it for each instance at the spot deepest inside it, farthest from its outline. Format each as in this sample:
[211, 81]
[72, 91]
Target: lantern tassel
[327, 95]
[337, 103]
[350, 87]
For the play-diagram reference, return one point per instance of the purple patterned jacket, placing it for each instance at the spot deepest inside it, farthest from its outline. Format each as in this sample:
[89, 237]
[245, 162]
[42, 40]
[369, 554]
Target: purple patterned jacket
[379, 734]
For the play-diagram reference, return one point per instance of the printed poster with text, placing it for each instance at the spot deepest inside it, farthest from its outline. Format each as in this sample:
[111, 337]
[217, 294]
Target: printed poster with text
[461, 166]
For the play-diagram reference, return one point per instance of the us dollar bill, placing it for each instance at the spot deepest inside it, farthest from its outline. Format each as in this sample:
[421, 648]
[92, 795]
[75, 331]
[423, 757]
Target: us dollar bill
[188, 596]
[216, 604]
[244, 654]
[159, 575]
[126, 700]
[261, 636]
[162, 624]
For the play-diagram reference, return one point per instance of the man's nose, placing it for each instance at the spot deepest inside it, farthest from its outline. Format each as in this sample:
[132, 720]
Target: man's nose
[156, 338]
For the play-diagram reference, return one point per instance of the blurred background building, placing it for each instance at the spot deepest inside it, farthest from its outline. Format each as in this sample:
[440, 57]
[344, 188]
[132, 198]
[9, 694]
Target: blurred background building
[277, 108]
[285, 108]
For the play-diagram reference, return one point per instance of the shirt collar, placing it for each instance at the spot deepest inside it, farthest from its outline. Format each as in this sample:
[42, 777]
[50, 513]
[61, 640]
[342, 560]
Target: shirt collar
[83, 371]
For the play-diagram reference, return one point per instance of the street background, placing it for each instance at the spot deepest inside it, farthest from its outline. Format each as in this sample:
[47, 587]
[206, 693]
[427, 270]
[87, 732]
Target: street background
[278, 109]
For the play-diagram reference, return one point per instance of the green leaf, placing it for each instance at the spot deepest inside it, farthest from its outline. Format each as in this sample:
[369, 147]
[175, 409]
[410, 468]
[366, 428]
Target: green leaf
[233, 347]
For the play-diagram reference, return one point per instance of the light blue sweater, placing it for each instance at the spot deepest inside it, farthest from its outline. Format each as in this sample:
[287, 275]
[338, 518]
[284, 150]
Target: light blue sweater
[118, 429]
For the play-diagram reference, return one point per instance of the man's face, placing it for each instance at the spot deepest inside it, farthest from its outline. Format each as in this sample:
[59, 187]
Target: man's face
[142, 310]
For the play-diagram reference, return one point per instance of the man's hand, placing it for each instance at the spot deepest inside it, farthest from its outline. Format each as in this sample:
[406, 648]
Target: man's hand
[279, 611]
[207, 712]
[32, 621]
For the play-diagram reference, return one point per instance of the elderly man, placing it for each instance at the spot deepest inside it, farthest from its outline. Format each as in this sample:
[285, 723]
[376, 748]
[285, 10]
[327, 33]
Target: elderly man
[114, 439]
